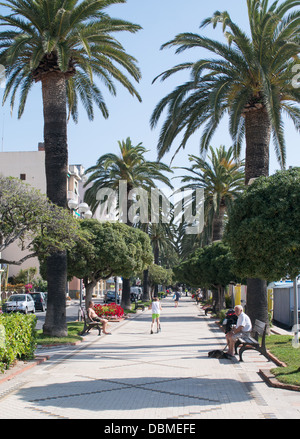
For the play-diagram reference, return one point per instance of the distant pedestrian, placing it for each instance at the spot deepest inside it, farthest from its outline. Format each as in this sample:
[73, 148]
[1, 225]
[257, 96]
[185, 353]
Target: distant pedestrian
[156, 308]
[176, 297]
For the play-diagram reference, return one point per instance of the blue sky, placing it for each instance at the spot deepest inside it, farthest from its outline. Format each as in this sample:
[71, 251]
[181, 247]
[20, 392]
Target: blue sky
[161, 20]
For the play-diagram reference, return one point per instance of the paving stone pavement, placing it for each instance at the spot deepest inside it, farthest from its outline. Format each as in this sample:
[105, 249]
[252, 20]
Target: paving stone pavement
[132, 374]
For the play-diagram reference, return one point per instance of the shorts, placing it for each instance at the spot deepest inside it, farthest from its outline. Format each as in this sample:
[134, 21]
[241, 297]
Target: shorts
[241, 335]
[155, 316]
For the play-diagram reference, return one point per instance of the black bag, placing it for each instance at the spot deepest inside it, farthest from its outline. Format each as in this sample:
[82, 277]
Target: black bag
[218, 354]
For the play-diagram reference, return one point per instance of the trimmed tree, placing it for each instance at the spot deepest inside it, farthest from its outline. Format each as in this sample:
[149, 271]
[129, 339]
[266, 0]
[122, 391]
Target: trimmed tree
[29, 219]
[263, 233]
[209, 267]
[108, 249]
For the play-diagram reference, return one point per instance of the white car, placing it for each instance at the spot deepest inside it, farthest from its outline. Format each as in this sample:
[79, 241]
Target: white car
[21, 303]
[136, 293]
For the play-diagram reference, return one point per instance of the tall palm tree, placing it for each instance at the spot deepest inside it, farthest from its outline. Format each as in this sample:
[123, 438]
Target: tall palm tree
[250, 80]
[164, 250]
[129, 166]
[63, 44]
[222, 179]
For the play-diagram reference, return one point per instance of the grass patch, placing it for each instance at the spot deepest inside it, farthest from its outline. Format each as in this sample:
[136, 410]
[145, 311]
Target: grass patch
[74, 328]
[281, 347]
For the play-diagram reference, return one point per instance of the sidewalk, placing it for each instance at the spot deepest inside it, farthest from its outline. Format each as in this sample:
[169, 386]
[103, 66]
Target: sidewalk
[132, 374]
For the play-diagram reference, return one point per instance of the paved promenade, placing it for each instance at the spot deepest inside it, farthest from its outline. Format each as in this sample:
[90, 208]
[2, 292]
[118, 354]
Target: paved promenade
[132, 374]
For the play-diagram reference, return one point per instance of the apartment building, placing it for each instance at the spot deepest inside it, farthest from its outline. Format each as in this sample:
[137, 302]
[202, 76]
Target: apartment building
[29, 166]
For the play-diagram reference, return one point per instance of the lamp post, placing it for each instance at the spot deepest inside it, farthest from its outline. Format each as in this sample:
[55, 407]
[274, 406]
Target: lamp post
[85, 213]
[83, 208]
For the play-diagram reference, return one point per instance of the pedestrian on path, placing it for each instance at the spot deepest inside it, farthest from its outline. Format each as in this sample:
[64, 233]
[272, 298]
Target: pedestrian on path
[176, 297]
[156, 308]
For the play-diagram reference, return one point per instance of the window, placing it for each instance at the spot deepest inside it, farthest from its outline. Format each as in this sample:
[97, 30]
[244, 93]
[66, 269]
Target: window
[23, 177]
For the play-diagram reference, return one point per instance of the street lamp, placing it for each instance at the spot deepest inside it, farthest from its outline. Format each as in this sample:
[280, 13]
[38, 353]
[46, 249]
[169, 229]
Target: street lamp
[82, 208]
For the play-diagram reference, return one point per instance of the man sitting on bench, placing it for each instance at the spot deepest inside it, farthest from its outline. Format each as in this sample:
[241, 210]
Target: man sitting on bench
[243, 328]
[94, 318]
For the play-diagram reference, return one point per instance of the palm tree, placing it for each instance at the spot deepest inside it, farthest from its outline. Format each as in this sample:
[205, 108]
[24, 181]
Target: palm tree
[63, 44]
[222, 179]
[162, 239]
[129, 166]
[250, 80]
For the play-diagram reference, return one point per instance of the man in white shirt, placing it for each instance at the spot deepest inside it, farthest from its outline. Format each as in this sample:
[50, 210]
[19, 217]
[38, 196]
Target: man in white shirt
[243, 328]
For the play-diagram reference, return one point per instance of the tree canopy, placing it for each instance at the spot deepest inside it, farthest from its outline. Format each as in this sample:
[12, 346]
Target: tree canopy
[76, 38]
[249, 74]
[208, 267]
[160, 276]
[109, 249]
[29, 219]
[263, 227]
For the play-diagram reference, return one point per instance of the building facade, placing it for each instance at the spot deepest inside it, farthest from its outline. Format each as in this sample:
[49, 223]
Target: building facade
[29, 166]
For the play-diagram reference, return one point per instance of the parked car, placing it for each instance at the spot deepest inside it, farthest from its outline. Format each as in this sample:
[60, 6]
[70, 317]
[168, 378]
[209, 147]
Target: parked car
[20, 302]
[40, 301]
[135, 293]
[110, 297]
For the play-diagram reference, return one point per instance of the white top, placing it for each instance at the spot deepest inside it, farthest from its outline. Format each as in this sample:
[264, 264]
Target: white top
[244, 320]
[155, 308]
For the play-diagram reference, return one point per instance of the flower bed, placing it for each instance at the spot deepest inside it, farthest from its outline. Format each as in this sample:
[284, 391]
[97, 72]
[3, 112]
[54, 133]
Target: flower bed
[111, 311]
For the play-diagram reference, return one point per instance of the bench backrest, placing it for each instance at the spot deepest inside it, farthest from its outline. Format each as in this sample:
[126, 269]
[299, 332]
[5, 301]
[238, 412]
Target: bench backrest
[84, 315]
[259, 327]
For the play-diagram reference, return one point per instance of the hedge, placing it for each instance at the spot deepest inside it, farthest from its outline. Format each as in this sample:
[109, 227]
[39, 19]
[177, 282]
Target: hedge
[17, 338]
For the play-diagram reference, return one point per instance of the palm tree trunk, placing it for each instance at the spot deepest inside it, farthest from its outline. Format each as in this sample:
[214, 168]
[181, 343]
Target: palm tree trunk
[56, 164]
[218, 224]
[89, 286]
[156, 261]
[258, 134]
[146, 295]
[125, 301]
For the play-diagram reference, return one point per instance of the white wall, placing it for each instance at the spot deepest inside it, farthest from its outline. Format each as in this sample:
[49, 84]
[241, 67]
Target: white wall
[32, 164]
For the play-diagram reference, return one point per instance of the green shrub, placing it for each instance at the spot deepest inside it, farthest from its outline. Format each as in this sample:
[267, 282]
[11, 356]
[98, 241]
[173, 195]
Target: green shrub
[17, 338]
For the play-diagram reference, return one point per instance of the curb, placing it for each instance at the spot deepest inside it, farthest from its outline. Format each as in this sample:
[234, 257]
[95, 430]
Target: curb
[28, 365]
[38, 359]
[269, 378]
[266, 374]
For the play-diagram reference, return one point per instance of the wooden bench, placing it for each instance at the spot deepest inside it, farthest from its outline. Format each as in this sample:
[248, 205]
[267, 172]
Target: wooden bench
[88, 323]
[208, 308]
[137, 306]
[248, 343]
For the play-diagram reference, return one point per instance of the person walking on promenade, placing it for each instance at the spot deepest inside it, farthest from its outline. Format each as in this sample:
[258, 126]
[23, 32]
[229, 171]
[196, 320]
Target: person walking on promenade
[176, 297]
[243, 328]
[156, 308]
